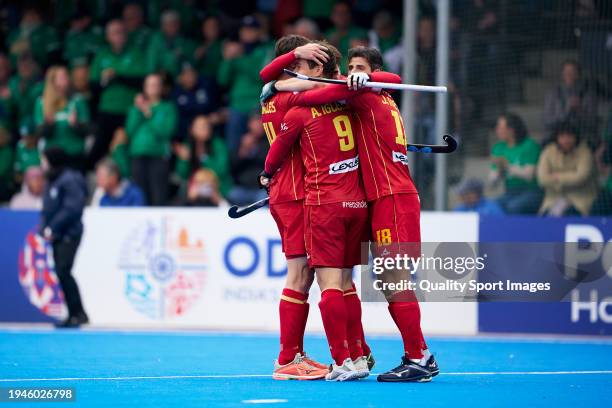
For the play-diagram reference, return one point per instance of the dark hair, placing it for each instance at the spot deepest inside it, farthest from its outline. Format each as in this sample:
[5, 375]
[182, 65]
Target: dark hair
[329, 67]
[515, 123]
[372, 55]
[567, 127]
[289, 43]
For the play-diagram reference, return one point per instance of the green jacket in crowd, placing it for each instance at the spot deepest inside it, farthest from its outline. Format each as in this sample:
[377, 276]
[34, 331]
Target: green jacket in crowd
[38, 41]
[217, 160]
[241, 76]
[26, 157]
[130, 69]
[522, 154]
[209, 64]
[151, 136]
[23, 97]
[6, 164]
[61, 133]
[166, 55]
[80, 46]
[140, 38]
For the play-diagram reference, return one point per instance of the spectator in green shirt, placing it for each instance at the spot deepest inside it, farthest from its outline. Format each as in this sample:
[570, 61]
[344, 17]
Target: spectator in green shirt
[150, 125]
[168, 47]
[62, 117]
[116, 74]
[209, 54]
[26, 152]
[138, 34]
[603, 156]
[82, 40]
[204, 150]
[239, 72]
[344, 35]
[35, 38]
[25, 88]
[514, 160]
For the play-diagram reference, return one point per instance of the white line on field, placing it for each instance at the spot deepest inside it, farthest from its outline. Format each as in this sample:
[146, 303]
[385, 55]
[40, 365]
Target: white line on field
[264, 401]
[174, 377]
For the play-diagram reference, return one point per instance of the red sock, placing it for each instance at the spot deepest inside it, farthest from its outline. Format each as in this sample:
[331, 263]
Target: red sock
[354, 328]
[407, 317]
[334, 316]
[303, 328]
[291, 311]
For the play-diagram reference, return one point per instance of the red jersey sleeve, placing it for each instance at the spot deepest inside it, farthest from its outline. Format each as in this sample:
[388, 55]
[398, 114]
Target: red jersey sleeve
[382, 76]
[291, 128]
[275, 68]
[320, 96]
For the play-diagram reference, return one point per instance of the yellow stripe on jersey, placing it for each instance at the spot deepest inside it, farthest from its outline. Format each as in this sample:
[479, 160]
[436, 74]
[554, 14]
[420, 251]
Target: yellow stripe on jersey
[350, 293]
[368, 155]
[292, 300]
[380, 151]
[316, 166]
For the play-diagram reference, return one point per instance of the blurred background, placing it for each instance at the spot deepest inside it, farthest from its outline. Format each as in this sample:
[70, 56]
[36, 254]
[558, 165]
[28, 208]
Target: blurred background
[520, 74]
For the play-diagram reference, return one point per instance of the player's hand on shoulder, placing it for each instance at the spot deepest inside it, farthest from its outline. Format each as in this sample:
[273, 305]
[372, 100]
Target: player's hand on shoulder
[357, 80]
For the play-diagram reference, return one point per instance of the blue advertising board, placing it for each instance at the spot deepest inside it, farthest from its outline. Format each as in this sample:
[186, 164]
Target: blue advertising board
[589, 309]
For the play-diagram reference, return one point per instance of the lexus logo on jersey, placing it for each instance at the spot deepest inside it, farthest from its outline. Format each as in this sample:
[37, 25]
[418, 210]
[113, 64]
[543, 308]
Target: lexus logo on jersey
[283, 127]
[344, 166]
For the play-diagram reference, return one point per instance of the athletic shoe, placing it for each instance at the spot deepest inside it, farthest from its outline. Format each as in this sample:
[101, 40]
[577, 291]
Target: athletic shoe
[371, 361]
[361, 364]
[345, 372]
[407, 371]
[298, 369]
[73, 322]
[313, 363]
[432, 366]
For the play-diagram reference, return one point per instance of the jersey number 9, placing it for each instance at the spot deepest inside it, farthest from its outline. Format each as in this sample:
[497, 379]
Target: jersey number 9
[342, 124]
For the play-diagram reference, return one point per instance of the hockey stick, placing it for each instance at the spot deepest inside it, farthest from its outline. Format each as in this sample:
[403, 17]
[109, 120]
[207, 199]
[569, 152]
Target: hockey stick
[237, 212]
[451, 146]
[386, 85]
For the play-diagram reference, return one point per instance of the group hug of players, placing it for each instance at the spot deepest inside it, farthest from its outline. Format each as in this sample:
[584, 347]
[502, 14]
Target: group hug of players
[337, 176]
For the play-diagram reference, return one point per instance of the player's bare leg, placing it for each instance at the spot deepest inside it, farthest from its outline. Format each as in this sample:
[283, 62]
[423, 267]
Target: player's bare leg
[335, 317]
[292, 363]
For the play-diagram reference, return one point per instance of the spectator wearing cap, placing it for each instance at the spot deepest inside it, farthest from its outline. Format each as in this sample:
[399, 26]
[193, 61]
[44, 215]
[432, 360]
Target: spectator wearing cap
[115, 190]
[151, 124]
[62, 117]
[6, 165]
[239, 72]
[168, 48]
[35, 38]
[64, 200]
[344, 35]
[566, 171]
[116, 75]
[82, 40]
[470, 193]
[193, 95]
[25, 87]
[514, 159]
[138, 33]
[571, 100]
[209, 54]
[204, 149]
[30, 196]
[26, 151]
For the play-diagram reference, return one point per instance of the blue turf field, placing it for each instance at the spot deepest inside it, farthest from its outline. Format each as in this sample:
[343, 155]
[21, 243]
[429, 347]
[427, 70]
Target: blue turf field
[185, 369]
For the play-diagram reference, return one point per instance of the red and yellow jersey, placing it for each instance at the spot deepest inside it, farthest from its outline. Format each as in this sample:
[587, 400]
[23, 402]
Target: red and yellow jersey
[380, 135]
[288, 184]
[328, 149]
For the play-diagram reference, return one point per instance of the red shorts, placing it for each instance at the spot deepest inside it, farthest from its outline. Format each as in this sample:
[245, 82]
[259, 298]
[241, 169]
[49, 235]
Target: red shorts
[289, 217]
[334, 233]
[396, 219]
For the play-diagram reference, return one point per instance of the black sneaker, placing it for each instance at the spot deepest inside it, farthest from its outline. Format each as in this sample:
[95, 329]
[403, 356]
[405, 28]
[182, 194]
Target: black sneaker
[73, 322]
[432, 366]
[408, 371]
[371, 361]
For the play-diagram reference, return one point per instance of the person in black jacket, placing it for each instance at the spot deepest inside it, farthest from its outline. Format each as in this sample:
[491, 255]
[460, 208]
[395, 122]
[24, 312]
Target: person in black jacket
[63, 202]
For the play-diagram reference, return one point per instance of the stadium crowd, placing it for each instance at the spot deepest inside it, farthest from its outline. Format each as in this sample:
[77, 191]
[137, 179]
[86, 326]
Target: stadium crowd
[141, 91]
